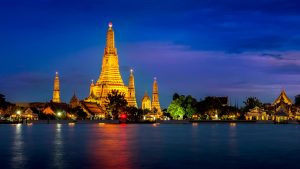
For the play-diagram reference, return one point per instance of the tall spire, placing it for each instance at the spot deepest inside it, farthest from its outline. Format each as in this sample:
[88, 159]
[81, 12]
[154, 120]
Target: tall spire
[56, 89]
[131, 91]
[110, 41]
[155, 99]
[110, 72]
[110, 76]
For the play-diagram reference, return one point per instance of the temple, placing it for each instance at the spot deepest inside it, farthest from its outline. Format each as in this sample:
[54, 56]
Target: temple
[155, 100]
[283, 107]
[146, 102]
[56, 90]
[282, 98]
[131, 91]
[110, 79]
[74, 102]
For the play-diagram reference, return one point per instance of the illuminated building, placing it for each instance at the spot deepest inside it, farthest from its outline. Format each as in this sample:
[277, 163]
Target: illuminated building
[28, 114]
[155, 100]
[56, 90]
[48, 111]
[131, 91]
[282, 106]
[146, 102]
[110, 76]
[74, 102]
[256, 114]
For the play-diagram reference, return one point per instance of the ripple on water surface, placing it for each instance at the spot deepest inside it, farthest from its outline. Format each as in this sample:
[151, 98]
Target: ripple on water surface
[142, 146]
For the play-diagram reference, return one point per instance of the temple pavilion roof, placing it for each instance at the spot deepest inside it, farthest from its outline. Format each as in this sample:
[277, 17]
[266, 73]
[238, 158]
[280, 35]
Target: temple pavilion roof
[282, 98]
[74, 99]
[92, 108]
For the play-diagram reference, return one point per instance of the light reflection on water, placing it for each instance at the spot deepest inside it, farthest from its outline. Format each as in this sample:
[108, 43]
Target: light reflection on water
[18, 157]
[58, 148]
[136, 146]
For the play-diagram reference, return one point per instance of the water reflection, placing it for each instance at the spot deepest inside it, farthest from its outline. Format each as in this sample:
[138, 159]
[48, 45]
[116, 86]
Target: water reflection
[140, 146]
[58, 148]
[18, 157]
[71, 124]
[195, 124]
[155, 124]
[233, 145]
[111, 149]
[232, 124]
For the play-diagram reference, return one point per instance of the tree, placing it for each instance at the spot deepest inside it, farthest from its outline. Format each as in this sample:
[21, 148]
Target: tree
[176, 110]
[189, 104]
[175, 96]
[116, 103]
[297, 100]
[132, 113]
[80, 114]
[250, 103]
[3, 103]
[182, 106]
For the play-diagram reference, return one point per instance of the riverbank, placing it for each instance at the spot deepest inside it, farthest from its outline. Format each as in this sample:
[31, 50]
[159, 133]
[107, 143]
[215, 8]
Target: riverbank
[143, 122]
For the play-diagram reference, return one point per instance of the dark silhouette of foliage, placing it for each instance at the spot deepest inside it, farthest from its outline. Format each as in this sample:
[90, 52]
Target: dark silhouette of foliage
[3, 103]
[79, 113]
[297, 100]
[116, 103]
[250, 103]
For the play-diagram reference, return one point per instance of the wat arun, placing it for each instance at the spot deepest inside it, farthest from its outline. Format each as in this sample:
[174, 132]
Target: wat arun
[110, 77]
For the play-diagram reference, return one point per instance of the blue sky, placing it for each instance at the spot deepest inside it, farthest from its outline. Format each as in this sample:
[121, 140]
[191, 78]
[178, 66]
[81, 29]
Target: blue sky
[215, 47]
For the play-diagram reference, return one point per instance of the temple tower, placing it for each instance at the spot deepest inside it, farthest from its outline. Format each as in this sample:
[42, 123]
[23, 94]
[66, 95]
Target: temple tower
[146, 102]
[74, 102]
[56, 90]
[110, 76]
[155, 99]
[131, 99]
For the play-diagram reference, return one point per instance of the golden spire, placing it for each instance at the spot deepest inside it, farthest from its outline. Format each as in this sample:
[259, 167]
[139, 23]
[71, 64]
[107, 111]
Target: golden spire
[110, 41]
[155, 99]
[110, 76]
[110, 72]
[56, 89]
[131, 91]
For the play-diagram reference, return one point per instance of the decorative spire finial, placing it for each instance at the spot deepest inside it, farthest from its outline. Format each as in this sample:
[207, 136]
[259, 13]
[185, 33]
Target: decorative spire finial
[110, 24]
[131, 71]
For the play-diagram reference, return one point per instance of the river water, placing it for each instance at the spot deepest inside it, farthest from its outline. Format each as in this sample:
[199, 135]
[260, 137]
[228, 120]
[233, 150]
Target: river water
[147, 146]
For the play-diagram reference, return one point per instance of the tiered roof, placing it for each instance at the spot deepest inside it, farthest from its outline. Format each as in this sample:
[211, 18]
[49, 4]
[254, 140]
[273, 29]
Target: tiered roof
[282, 98]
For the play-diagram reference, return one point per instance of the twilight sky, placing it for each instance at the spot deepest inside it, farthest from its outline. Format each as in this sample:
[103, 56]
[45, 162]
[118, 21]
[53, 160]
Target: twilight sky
[210, 47]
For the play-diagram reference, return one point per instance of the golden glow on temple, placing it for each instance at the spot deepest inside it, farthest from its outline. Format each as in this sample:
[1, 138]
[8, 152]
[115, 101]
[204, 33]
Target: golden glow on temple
[155, 100]
[146, 102]
[110, 78]
[56, 89]
[283, 98]
[131, 91]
